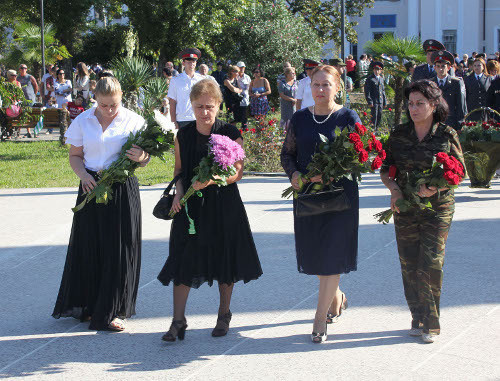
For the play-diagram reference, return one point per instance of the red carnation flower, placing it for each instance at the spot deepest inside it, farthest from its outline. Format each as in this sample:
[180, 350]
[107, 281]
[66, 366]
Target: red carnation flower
[353, 137]
[451, 178]
[377, 145]
[486, 126]
[376, 163]
[363, 156]
[374, 137]
[390, 109]
[365, 113]
[382, 154]
[370, 146]
[442, 157]
[358, 146]
[253, 130]
[393, 171]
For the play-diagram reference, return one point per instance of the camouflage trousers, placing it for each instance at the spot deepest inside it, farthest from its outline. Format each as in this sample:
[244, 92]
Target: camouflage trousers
[421, 238]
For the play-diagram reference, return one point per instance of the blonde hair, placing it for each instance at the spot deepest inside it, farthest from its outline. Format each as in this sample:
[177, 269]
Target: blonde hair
[289, 69]
[329, 70]
[233, 68]
[206, 87]
[108, 86]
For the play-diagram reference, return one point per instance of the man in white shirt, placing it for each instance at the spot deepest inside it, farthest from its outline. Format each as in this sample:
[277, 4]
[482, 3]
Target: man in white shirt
[179, 90]
[244, 84]
[304, 95]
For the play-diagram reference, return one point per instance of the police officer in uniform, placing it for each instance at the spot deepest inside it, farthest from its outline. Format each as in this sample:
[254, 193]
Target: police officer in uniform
[426, 71]
[180, 86]
[304, 95]
[375, 92]
[476, 86]
[453, 88]
[493, 96]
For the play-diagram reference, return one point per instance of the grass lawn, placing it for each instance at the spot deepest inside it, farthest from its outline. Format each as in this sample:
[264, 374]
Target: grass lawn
[45, 164]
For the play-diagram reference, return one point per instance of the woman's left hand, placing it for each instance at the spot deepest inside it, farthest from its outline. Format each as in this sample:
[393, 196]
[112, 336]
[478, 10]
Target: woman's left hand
[137, 154]
[426, 192]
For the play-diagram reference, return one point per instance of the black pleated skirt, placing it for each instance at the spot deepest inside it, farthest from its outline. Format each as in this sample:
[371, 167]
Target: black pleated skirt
[222, 249]
[101, 274]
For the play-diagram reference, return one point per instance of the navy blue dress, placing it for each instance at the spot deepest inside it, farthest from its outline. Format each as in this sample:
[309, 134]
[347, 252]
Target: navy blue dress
[325, 244]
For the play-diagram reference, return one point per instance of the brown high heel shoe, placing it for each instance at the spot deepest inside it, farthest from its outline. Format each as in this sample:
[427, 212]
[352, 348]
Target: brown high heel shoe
[179, 330]
[331, 318]
[224, 320]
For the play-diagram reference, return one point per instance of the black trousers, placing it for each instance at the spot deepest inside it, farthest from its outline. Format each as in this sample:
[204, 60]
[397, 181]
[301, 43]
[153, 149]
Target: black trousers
[241, 115]
[376, 115]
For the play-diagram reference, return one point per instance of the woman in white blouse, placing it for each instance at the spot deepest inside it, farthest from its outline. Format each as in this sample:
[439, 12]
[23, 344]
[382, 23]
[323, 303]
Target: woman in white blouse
[101, 274]
[62, 88]
[82, 81]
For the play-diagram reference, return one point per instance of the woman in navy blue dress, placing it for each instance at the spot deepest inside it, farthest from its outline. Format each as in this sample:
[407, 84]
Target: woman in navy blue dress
[326, 245]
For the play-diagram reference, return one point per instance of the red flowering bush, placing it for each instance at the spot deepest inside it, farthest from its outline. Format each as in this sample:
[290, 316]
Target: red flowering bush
[262, 143]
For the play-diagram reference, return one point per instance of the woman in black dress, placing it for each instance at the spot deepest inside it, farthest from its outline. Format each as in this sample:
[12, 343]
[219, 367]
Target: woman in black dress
[101, 274]
[327, 244]
[222, 249]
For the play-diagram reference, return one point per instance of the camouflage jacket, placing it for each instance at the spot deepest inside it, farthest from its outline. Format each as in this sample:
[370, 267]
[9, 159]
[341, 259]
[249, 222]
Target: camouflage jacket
[408, 154]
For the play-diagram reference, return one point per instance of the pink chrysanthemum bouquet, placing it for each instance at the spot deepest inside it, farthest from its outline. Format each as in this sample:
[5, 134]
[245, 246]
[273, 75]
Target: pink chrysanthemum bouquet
[218, 165]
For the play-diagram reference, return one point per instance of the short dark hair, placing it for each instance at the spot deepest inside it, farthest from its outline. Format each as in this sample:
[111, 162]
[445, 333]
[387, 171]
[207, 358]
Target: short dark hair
[59, 71]
[167, 72]
[431, 91]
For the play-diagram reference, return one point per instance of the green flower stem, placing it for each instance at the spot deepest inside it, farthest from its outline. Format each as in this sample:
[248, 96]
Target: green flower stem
[191, 191]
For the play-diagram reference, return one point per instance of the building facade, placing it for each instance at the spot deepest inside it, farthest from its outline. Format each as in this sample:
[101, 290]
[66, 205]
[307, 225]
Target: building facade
[463, 26]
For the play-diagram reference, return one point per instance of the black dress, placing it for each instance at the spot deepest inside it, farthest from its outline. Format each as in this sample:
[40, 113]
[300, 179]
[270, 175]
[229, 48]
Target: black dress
[222, 248]
[101, 274]
[326, 244]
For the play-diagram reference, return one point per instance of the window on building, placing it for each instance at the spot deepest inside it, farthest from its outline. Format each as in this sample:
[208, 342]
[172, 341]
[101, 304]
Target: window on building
[450, 40]
[379, 35]
[382, 21]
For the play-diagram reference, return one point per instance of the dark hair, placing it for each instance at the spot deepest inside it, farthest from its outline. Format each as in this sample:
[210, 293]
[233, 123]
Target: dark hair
[431, 91]
[258, 68]
[167, 71]
[104, 74]
[59, 71]
[362, 57]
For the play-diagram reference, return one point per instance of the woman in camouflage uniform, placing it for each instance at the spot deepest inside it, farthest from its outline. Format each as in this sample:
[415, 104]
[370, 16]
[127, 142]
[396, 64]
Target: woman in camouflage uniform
[421, 234]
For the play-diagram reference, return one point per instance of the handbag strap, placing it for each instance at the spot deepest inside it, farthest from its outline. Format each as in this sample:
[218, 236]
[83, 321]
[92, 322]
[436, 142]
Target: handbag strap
[169, 187]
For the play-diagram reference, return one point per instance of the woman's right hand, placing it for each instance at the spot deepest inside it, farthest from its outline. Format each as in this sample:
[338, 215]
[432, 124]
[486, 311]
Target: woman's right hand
[396, 195]
[176, 203]
[295, 180]
[88, 182]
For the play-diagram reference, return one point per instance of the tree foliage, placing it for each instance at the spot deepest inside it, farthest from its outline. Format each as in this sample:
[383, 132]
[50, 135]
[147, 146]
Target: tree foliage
[171, 25]
[404, 49]
[324, 16]
[26, 46]
[268, 35]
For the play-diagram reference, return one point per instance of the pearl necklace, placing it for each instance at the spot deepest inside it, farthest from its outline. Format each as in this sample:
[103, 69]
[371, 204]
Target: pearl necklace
[328, 117]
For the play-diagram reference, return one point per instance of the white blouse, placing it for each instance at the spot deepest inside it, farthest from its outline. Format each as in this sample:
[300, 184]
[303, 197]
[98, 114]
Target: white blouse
[100, 149]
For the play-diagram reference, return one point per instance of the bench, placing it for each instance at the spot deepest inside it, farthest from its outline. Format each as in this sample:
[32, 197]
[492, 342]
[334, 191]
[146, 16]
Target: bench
[57, 118]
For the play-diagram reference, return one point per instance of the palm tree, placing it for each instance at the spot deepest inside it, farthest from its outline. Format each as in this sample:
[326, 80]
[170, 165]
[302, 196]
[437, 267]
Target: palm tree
[27, 42]
[133, 73]
[405, 49]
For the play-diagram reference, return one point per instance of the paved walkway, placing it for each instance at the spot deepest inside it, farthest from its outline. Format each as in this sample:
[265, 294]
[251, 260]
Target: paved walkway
[269, 336]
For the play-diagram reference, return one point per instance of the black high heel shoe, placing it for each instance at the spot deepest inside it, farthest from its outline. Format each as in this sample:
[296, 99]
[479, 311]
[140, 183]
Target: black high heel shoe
[331, 318]
[177, 330]
[225, 320]
[318, 338]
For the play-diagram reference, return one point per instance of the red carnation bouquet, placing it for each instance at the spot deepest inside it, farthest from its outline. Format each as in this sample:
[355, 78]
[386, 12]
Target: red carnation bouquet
[349, 153]
[446, 172]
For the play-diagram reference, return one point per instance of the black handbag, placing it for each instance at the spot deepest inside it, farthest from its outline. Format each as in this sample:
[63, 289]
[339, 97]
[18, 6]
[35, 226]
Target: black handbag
[162, 208]
[326, 201]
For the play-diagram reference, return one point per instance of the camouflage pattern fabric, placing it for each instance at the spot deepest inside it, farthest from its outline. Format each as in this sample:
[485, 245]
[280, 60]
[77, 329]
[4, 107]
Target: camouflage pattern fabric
[421, 234]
